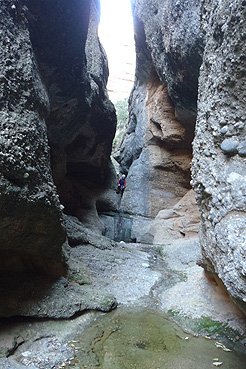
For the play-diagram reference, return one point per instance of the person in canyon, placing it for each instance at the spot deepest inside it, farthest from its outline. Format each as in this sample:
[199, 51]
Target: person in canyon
[121, 184]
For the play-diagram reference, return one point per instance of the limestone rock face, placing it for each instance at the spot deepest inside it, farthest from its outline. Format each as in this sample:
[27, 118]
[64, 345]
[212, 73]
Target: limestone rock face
[219, 146]
[57, 126]
[171, 32]
[159, 173]
[81, 123]
[31, 234]
[182, 221]
[156, 151]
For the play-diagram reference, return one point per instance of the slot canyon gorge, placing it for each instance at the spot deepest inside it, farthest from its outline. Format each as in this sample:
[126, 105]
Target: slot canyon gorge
[74, 252]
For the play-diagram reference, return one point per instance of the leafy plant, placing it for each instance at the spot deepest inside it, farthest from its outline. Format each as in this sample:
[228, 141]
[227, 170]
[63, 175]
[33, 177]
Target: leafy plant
[211, 326]
[121, 107]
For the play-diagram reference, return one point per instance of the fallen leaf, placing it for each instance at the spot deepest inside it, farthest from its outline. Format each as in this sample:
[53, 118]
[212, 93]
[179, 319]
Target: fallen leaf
[226, 349]
[218, 363]
[223, 347]
[218, 344]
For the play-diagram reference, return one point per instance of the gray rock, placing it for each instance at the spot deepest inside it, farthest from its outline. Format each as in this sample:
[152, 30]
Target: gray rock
[13, 364]
[81, 123]
[47, 298]
[224, 130]
[31, 233]
[57, 126]
[229, 146]
[156, 151]
[219, 182]
[78, 234]
[169, 42]
[242, 148]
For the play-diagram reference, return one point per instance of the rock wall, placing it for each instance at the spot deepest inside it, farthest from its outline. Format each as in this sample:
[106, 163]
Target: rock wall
[57, 126]
[179, 222]
[170, 39]
[156, 151]
[81, 123]
[219, 146]
[31, 234]
[171, 31]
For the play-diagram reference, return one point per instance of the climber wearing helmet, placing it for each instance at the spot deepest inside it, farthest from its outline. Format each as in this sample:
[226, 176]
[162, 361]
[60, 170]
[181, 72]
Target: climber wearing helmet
[121, 184]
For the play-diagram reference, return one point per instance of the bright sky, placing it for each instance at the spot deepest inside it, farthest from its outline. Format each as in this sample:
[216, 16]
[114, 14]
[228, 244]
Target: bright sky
[116, 35]
[116, 18]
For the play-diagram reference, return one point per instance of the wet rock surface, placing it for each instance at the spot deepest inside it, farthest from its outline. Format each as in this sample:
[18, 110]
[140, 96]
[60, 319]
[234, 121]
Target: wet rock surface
[40, 344]
[146, 339]
[163, 278]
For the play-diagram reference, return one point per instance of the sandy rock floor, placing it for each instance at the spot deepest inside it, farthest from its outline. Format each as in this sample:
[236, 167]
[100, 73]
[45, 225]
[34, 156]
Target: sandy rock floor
[163, 277]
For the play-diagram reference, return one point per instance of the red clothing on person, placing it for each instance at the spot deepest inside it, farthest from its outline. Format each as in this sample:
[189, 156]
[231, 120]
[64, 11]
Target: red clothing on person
[121, 182]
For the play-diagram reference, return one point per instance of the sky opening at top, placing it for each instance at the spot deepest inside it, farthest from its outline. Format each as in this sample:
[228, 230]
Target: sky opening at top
[116, 35]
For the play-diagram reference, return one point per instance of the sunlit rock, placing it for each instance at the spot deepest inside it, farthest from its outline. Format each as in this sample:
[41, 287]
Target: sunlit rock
[156, 151]
[219, 179]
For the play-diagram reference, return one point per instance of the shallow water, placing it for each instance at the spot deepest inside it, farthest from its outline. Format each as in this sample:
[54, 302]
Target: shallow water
[146, 339]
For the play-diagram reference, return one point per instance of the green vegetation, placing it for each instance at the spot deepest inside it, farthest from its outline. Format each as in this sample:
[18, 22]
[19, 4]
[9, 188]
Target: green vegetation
[159, 249]
[172, 313]
[206, 325]
[121, 107]
[108, 303]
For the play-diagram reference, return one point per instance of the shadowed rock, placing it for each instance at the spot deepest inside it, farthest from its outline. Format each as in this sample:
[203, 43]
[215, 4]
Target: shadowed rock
[57, 126]
[31, 235]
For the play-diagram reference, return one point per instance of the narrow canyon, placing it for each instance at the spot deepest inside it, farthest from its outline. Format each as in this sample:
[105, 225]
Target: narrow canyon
[73, 251]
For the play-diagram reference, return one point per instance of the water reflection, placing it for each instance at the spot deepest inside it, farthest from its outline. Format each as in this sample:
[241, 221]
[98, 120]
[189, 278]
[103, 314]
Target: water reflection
[146, 339]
